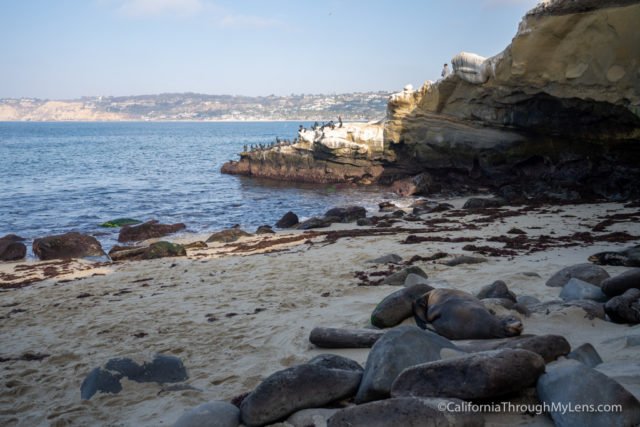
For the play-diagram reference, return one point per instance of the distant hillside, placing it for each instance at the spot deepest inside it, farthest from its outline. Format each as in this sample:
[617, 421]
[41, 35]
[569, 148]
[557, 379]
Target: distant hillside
[191, 106]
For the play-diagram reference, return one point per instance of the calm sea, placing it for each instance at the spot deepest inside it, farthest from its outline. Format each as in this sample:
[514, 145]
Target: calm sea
[59, 177]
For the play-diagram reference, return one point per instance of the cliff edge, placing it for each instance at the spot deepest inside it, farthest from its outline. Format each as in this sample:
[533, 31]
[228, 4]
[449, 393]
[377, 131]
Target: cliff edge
[556, 114]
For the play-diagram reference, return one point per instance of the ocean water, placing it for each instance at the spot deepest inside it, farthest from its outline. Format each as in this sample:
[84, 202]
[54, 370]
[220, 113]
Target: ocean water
[59, 177]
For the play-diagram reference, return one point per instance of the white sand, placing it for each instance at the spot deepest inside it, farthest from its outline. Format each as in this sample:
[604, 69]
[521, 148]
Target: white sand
[230, 355]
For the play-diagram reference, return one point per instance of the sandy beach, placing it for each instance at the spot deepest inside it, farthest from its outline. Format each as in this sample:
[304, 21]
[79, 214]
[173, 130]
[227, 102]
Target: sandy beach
[237, 312]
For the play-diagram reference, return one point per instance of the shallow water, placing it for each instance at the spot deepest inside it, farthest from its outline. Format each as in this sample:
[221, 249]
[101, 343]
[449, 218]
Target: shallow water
[59, 177]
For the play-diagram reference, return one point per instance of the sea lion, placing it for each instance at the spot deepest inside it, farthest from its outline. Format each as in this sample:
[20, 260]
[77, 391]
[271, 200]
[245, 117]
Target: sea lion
[629, 257]
[458, 315]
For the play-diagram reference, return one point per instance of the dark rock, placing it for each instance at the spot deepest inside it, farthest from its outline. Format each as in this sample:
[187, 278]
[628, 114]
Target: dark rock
[265, 229]
[99, 380]
[586, 354]
[347, 214]
[516, 231]
[164, 249]
[386, 259]
[415, 279]
[365, 222]
[624, 308]
[397, 279]
[415, 185]
[527, 300]
[344, 338]
[463, 259]
[588, 272]
[398, 349]
[211, 414]
[120, 222]
[550, 347]
[300, 387]
[497, 289]
[398, 214]
[333, 361]
[68, 245]
[227, 236]
[481, 203]
[621, 283]
[397, 306]
[162, 369]
[12, 248]
[578, 289]
[483, 375]
[569, 382]
[314, 222]
[406, 412]
[288, 220]
[148, 230]
[387, 207]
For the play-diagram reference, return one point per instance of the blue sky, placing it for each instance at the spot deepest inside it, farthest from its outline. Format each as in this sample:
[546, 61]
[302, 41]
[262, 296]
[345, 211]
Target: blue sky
[62, 49]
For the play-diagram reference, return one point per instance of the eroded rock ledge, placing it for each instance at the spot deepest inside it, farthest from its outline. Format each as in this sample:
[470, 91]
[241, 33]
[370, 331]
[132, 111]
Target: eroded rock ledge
[557, 113]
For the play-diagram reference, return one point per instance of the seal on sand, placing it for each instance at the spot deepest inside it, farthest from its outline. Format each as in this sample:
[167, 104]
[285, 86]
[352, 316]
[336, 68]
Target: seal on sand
[629, 257]
[458, 315]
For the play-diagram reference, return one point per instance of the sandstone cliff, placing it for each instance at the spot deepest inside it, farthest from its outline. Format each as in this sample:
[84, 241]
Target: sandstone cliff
[556, 113]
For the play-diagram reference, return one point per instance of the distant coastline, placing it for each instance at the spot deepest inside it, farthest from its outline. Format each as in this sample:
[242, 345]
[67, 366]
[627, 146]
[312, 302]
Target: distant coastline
[188, 107]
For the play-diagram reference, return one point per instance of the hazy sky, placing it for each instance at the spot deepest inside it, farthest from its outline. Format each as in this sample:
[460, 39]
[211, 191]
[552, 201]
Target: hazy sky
[62, 49]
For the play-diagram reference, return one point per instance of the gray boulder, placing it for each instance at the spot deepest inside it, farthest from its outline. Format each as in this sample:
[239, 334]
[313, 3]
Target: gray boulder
[576, 289]
[497, 289]
[588, 272]
[395, 351]
[397, 306]
[300, 387]
[406, 412]
[569, 382]
[621, 283]
[386, 259]
[483, 375]
[624, 308]
[12, 248]
[398, 278]
[586, 354]
[211, 414]
[415, 279]
[333, 361]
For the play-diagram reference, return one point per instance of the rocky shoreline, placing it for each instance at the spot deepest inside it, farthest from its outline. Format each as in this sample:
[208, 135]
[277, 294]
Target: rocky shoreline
[554, 118]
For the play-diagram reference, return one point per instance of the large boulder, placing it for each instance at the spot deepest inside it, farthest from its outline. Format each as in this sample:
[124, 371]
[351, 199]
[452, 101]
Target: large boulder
[288, 220]
[398, 349]
[66, 246]
[569, 383]
[227, 236]
[398, 278]
[210, 414]
[587, 272]
[397, 306]
[621, 283]
[148, 230]
[483, 375]
[624, 308]
[577, 289]
[586, 354]
[12, 248]
[346, 214]
[497, 289]
[407, 412]
[303, 386]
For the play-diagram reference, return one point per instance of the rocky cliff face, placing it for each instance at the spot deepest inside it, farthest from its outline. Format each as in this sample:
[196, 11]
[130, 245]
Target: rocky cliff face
[556, 113]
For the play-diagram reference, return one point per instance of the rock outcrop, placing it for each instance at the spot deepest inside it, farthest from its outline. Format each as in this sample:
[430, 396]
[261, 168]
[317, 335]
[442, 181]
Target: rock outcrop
[555, 115]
